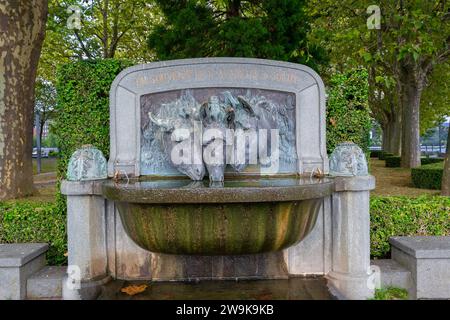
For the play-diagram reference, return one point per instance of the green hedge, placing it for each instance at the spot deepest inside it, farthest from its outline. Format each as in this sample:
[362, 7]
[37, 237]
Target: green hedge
[82, 115]
[425, 161]
[383, 155]
[393, 161]
[35, 222]
[428, 176]
[375, 153]
[83, 106]
[348, 114]
[405, 216]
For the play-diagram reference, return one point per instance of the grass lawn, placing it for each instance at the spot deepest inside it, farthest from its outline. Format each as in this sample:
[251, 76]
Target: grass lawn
[394, 181]
[47, 165]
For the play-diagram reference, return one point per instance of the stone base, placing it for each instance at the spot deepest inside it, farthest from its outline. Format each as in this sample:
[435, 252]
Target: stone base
[17, 262]
[87, 290]
[185, 268]
[46, 283]
[428, 260]
[392, 274]
[350, 287]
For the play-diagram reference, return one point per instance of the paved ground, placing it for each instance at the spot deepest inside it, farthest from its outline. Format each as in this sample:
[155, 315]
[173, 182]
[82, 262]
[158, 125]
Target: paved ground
[292, 289]
[394, 181]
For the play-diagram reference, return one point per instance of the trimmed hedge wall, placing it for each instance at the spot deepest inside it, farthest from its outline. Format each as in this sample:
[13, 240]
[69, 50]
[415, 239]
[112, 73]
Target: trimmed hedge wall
[83, 106]
[393, 162]
[383, 155]
[35, 222]
[348, 113]
[405, 216]
[375, 153]
[428, 176]
[425, 161]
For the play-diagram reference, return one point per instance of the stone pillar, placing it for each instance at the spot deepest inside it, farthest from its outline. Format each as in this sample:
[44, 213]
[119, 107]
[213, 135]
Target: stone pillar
[350, 276]
[350, 272]
[86, 236]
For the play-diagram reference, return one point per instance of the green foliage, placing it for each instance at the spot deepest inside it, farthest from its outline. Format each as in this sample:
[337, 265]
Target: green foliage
[35, 222]
[425, 161]
[428, 176]
[348, 117]
[83, 108]
[405, 216]
[413, 35]
[53, 154]
[391, 293]
[392, 161]
[395, 161]
[271, 29]
[375, 153]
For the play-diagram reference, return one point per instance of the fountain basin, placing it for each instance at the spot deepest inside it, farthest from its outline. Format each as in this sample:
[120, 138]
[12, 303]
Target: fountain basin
[241, 217]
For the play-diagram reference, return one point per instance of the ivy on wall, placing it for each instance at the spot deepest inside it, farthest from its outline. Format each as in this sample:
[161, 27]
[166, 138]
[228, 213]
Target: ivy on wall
[348, 113]
[82, 115]
[83, 106]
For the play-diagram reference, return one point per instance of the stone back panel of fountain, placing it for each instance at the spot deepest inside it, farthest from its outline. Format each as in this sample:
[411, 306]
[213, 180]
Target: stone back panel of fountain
[297, 93]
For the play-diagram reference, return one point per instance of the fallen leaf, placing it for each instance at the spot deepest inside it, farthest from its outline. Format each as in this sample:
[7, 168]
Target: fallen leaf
[66, 254]
[333, 122]
[133, 289]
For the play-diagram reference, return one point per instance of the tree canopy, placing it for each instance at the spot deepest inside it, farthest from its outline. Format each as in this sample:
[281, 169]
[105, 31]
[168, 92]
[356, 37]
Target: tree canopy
[274, 29]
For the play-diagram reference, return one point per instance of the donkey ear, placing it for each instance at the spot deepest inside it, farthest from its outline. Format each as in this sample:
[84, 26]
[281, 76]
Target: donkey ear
[247, 107]
[230, 115]
[202, 111]
[165, 125]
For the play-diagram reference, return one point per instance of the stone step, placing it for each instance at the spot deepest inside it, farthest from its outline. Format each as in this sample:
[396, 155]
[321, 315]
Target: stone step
[46, 283]
[17, 262]
[393, 274]
[428, 259]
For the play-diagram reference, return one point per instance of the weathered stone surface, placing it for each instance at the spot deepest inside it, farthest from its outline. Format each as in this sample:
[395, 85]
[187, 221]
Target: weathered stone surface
[81, 188]
[17, 263]
[424, 247]
[46, 283]
[393, 274]
[428, 260]
[86, 235]
[87, 163]
[18, 254]
[185, 268]
[359, 183]
[348, 160]
[212, 73]
[350, 272]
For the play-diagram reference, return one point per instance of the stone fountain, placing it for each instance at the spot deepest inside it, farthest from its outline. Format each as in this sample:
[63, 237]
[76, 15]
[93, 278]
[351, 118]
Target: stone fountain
[218, 170]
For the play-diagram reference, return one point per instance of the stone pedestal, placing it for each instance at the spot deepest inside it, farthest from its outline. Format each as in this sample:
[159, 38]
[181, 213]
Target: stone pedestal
[428, 260]
[349, 277]
[17, 262]
[87, 260]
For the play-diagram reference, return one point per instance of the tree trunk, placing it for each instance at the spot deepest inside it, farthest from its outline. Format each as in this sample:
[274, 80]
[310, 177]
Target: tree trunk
[446, 173]
[411, 94]
[22, 29]
[392, 136]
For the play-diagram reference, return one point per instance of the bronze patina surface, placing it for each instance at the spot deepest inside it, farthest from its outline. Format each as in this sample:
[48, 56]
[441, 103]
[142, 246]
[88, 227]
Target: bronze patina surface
[240, 217]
